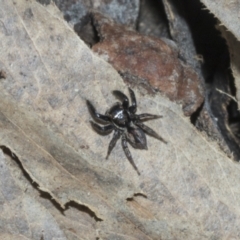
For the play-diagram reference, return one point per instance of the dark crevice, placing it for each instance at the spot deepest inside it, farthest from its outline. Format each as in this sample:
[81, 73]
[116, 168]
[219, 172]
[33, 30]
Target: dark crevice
[46, 195]
[232, 107]
[3, 74]
[195, 115]
[87, 31]
[233, 111]
[152, 20]
[207, 39]
[212, 46]
[136, 195]
[82, 208]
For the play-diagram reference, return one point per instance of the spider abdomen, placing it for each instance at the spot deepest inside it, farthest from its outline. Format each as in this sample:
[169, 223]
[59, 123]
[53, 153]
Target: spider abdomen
[136, 137]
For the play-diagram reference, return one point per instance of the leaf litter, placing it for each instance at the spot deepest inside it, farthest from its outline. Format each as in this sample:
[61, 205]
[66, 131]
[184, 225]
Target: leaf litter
[191, 187]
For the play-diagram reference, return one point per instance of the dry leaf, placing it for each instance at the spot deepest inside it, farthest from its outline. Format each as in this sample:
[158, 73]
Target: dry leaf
[227, 12]
[188, 189]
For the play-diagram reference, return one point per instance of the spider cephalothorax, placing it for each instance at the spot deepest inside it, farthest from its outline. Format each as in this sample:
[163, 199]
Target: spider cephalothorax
[123, 119]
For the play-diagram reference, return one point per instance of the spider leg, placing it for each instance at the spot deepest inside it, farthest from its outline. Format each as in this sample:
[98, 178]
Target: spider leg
[116, 136]
[122, 97]
[104, 130]
[147, 116]
[127, 153]
[149, 131]
[133, 107]
[97, 116]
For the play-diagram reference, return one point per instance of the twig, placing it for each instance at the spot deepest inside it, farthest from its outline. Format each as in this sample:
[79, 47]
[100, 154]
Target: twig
[233, 98]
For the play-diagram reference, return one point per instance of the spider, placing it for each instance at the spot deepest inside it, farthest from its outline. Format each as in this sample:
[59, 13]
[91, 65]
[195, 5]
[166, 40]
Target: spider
[123, 120]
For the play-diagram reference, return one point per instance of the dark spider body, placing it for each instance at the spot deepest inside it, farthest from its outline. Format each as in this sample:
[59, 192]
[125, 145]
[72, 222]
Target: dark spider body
[122, 119]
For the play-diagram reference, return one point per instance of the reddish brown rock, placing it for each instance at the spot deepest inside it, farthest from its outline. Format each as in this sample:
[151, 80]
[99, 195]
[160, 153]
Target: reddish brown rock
[150, 59]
